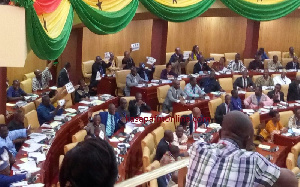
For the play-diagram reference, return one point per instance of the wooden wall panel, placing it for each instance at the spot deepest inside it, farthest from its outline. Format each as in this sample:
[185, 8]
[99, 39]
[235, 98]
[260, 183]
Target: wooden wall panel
[211, 34]
[279, 35]
[137, 31]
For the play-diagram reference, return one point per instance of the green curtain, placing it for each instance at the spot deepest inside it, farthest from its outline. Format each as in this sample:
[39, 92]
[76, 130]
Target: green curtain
[177, 14]
[262, 12]
[101, 22]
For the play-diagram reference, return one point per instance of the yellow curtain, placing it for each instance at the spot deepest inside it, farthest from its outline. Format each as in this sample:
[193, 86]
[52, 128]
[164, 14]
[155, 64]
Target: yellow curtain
[178, 3]
[55, 21]
[265, 2]
[108, 5]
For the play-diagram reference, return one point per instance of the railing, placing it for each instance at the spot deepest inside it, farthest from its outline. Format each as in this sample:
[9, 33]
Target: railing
[180, 165]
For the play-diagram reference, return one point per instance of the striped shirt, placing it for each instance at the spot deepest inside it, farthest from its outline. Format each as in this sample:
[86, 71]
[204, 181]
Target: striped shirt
[224, 164]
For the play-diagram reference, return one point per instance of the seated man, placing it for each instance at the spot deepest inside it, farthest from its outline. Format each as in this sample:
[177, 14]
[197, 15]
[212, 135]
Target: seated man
[63, 77]
[132, 79]
[294, 92]
[294, 121]
[164, 145]
[179, 137]
[291, 53]
[14, 92]
[9, 138]
[293, 64]
[274, 64]
[127, 62]
[256, 64]
[264, 80]
[232, 161]
[176, 60]
[197, 120]
[235, 102]
[282, 79]
[137, 106]
[90, 128]
[244, 82]
[192, 90]
[277, 95]
[210, 84]
[168, 73]
[223, 109]
[82, 92]
[46, 111]
[41, 79]
[18, 121]
[111, 120]
[201, 65]
[145, 73]
[263, 55]
[237, 64]
[122, 109]
[175, 94]
[258, 100]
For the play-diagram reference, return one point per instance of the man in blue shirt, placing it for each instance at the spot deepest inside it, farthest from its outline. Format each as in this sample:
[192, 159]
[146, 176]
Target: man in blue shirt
[46, 110]
[14, 92]
[236, 102]
[192, 90]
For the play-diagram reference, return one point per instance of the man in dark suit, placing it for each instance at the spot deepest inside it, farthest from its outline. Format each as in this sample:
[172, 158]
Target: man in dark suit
[144, 73]
[164, 145]
[63, 77]
[293, 64]
[201, 65]
[210, 84]
[111, 120]
[294, 90]
[256, 64]
[243, 82]
[223, 109]
[277, 95]
[197, 120]
[137, 106]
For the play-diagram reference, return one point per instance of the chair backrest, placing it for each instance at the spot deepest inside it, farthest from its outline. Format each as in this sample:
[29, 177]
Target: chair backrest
[96, 112]
[129, 98]
[119, 61]
[285, 54]
[284, 61]
[216, 56]
[69, 146]
[212, 106]
[31, 119]
[266, 62]
[158, 134]
[272, 53]
[255, 119]
[226, 84]
[157, 71]
[121, 78]
[149, 142]
[37, 102]
[168, 56]
[285, 89]
[255, 77]
[69, 101]
[178, 115]
[79, 136]
[168, 125]
[28, 76]
[27, 108]
[247, 62]
[190, 67]
[26, 85]
[229, 56]
[247, 94]
[162, 93]
[60, 160]
[234, 77]
[284, 117]
[87, 68]
[146, 157]
[182, 84]
[2, 119]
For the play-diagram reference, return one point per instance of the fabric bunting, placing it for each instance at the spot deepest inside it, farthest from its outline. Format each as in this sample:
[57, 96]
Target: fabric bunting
[45, 6]
[177, 10]
[262, 10]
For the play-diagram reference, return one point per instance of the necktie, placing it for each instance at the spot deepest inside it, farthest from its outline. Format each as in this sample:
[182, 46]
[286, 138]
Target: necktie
[146, 77]
[245, 85]
[109, 133]
[176, 94]
[196, 125]
[227, 109]
[194, 90]
[112, 124]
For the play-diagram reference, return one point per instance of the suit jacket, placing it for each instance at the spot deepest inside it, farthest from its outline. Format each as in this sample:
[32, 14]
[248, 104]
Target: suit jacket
[254, 65]
[289, 65]
[130, 82]
[161, 149]
[293, 92]
[63, 78]
[200, 67]
[133, 108]
[147, 71]
[164, 74]
[171, 96]
[272, 93]
[97, 66]
[174, 58]
[201, 120]
[239, 83]
[209, 85]
[220, 111]
[118, 122]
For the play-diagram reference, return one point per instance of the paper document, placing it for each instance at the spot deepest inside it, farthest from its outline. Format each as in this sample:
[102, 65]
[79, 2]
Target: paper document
[107, 55]
[70, 88]
[29, 166]
[145, 115]
[114, 139]
[201, 130]
[61, 102]
[10, 104]
[151, 60]
[186, 55]
[53, 88]
[264, 146]
[39, 156]
[135, 46]
[32, 147]
[70, 110]
[248, 110]
[85, 102]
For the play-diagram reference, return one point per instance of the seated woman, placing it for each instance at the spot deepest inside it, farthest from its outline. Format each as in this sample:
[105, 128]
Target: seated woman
[272, 127]
[168, 73]
[82, 93]
[219, 66]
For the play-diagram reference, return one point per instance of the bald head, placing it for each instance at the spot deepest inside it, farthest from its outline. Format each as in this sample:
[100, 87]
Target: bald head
[168, 135]
[196, 112]
[238, 127]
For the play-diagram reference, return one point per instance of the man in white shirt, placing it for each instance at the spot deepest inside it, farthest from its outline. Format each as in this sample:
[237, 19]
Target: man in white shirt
[179, 137]
[281, 79]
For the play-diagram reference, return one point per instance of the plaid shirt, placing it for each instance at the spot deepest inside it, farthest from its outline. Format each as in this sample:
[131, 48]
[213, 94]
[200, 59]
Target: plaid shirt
[46, 77]
[224, 164]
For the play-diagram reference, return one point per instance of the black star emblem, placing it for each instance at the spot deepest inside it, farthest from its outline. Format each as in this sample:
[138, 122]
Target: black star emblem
[174, 1]
[45, 24]
[99, 5]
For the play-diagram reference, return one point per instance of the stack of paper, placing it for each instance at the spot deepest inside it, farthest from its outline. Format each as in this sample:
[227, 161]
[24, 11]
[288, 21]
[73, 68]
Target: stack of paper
[53, 88]
[38, 156]
[29, 166]
[36, 137]
[214, 125]
[85, 102]
[264, 146]
[33, 147]
[114, 139]
[55, 124]
[166, 81]
[201, 130]
[97, 102]
[83, 108]
[70, 110]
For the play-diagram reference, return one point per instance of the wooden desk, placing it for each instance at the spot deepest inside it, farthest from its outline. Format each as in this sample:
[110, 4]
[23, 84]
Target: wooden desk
[107, 85]
[286, 140]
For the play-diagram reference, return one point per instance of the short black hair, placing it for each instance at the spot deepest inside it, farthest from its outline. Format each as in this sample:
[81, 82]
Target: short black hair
[273, 113]
[67, 65]
[278, 85]
[192, 78]
[232, 91]
[91, 163]
[168, 64]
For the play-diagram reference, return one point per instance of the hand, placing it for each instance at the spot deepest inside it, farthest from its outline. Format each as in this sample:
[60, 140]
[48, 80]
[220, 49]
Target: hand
[50, 65]
[261, 104]
[140, 102]
[284, 130]
[123, 119]
[182, 101]
[203, 125]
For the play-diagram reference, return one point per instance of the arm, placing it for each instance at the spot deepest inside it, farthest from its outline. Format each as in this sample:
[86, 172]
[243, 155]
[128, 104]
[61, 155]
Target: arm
[268, 101]
[163, 75]
[189, 92]
[132, 108]
[182, 93]
[291, 122]
[129, 83]
[8, 180]
[21, 133]
[286, 178]
[77, 97]
[170, 96]
[196, 69]
[124, 63]
[247, 102]
[243, 67]
[48, 116]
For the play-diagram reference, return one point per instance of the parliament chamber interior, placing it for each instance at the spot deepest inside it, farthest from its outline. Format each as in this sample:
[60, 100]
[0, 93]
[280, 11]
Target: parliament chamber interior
[151, 93]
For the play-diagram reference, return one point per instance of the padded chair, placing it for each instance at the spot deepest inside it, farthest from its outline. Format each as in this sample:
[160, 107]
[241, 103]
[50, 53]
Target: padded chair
[148, 142]
[212, 106]
[60, 160]
[121, 81]
[182, 84]
[272, 53]
[157, 71]
[168, 125]
[79, 136]
[284, 117]
[226, 84]
[285, 54]
[2, 119]
[255, 77]
[69, 101]
[168, 56]
[178, 115]
[291, 160]
[247, 62]
[26, 85]
[255, 119]
[129, 98]
[87, 68]
[69, 146]
[31, 119]
[119, 61]
[229, 57]
[28, 76]
[266, 63]
[148, 163]
[27, 108]
[37, 102]
[216, 56]
[285, 89]
[247, 94]
[158, 134]
[284, 61]
[97, 112]
[190, 67]
[274, 75]
[234, 77]
[162, 94]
